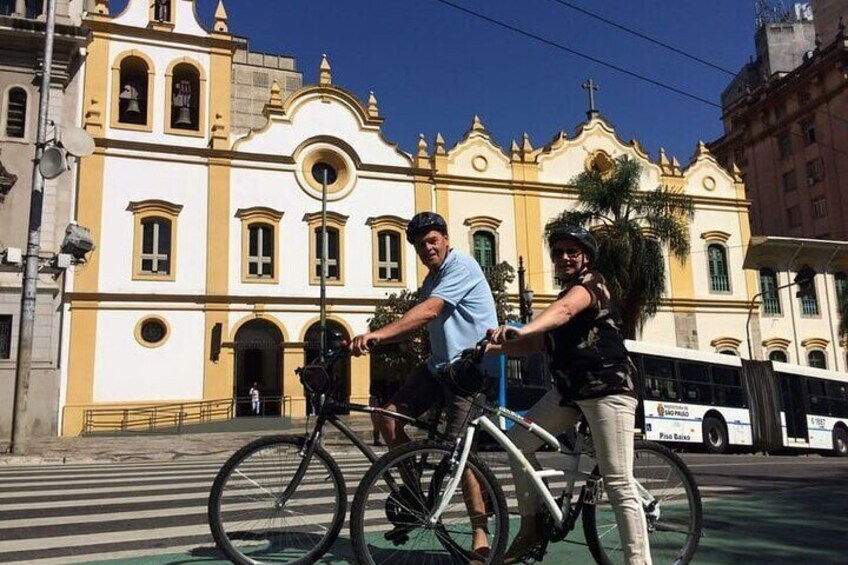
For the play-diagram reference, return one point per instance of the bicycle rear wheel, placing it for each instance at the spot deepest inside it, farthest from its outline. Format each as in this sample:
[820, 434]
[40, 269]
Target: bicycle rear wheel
[269, 504]
[674, 519]
[389, 519]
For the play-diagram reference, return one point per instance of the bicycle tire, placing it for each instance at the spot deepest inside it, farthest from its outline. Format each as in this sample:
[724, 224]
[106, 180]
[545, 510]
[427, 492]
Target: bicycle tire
[397, 510]
[248, 517]
[674, 527]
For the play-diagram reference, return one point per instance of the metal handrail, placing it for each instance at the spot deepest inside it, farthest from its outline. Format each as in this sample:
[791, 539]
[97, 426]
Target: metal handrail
[169, 416]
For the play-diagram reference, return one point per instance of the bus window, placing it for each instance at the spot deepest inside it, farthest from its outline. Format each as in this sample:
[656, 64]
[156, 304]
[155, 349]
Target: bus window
[659, 379]
[837, 394]
[695, 383]
[818, 397]
[728, 387]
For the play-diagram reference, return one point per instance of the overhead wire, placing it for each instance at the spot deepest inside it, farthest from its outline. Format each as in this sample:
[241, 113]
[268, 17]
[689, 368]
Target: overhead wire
[578, 53]
[643, 36]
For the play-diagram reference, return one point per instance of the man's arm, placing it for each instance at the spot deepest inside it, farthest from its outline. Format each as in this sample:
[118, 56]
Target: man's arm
[418, 316]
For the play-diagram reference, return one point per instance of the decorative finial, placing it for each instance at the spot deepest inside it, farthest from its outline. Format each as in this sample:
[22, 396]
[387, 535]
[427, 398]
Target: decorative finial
[275, 93]
[700, 150]
[221, 24]
[373, 111]
[663, 161]
[736, 172]
[592, 87]
[101, 7]
[675, 166]
[324, 76]
[440, 145]
[477, 125]
[275, 103]
[514, 151]
[422, 145]
[526, 148]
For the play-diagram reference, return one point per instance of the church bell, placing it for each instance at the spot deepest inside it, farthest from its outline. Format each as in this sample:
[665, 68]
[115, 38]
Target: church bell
[133, 107]
[183, 116]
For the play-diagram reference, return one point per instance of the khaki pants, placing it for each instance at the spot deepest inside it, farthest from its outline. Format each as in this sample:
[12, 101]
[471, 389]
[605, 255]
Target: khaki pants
[611, 420]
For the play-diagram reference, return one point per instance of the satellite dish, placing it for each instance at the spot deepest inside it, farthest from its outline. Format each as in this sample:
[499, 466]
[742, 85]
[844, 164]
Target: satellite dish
[77, 142]
[53, 162]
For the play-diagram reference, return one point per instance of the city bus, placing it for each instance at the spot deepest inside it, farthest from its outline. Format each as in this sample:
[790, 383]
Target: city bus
[722, 402]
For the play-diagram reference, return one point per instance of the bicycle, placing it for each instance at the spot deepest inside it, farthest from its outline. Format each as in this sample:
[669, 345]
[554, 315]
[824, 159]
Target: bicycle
[433, 522]
[256, 508]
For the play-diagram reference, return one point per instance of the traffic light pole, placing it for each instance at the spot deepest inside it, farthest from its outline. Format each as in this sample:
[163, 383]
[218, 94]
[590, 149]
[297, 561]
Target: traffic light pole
[30, 281]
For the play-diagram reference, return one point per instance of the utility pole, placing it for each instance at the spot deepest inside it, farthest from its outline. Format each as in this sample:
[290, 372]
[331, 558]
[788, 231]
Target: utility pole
[30, 281]
[522, 305]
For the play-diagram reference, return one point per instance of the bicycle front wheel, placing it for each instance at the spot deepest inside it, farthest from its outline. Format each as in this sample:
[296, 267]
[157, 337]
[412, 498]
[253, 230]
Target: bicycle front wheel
[672, 508]
[391, 519]
[272, 504]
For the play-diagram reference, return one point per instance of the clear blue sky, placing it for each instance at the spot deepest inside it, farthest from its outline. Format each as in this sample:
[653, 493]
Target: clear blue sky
[432, 68]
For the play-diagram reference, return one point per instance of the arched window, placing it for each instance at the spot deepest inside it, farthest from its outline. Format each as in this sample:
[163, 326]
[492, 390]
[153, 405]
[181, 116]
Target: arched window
[260, 250]
[132, 100]
[16, 113]
[719, 277]
[155, 246]
[810, 302]
[185, 98]
[484, 249]
[333, 271]
[778, 355]
[768, 286]
[162, 10]
[388, 255]
[816, 358]
[840, 282]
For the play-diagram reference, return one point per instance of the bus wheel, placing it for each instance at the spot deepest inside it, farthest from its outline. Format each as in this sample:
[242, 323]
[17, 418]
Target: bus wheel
[840, 442]
[715, 435]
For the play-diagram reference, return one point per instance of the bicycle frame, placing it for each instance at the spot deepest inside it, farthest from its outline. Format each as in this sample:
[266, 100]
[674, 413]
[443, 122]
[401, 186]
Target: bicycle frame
[537, 476]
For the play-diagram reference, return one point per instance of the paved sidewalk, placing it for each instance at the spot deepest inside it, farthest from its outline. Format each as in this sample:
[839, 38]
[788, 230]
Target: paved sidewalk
[160, 447]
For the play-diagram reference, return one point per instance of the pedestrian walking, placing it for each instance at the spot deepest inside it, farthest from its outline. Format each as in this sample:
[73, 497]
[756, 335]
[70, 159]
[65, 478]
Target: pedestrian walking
[254, 399]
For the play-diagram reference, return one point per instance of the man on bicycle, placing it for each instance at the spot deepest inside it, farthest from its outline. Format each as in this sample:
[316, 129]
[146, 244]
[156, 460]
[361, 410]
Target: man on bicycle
[457, 306]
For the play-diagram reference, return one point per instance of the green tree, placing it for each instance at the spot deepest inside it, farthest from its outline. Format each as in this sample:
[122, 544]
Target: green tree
[499, 278]
[393, 361]
[631, 226]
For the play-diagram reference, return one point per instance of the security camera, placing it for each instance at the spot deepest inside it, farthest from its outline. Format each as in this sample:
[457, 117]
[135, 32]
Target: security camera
[77, 242]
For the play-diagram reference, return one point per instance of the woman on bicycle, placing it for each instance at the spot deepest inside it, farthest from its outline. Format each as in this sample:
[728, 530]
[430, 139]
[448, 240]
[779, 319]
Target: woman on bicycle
[592, 373]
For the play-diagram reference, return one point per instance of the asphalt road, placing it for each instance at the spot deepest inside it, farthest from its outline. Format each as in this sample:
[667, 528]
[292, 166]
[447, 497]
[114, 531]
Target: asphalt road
[758, 509]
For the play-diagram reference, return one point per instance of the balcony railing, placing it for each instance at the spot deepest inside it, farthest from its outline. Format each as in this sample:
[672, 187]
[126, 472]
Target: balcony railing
[809, 306]
[771, 306]
[719, 283]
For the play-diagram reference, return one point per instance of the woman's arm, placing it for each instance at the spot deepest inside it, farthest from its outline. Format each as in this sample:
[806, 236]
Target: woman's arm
[560, 312]
[517, 347]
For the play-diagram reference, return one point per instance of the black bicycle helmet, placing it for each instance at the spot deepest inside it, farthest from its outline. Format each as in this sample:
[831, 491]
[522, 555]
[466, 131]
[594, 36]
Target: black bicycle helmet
[579, 234]
[424, 222]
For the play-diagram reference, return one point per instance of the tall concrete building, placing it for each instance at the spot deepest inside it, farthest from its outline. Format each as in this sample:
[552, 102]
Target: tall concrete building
[785, 116]
[22, 26]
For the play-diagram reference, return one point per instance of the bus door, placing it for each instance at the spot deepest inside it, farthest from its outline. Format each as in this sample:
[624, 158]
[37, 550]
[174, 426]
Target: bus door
[792, 394]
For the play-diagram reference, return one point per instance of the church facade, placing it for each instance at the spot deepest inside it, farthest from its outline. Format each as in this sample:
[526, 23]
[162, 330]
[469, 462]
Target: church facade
[207, 221]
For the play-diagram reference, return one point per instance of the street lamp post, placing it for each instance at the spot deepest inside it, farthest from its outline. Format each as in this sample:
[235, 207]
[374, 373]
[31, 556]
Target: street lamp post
[30, 279]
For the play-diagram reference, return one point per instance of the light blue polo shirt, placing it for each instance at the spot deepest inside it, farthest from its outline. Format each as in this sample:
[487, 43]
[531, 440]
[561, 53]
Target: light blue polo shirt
[468, 312]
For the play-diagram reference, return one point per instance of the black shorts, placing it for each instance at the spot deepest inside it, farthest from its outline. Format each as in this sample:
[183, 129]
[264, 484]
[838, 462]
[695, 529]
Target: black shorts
[423, 390]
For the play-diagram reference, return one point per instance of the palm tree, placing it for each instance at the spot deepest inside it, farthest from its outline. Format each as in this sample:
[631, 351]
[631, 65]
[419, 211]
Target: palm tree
[631, 226]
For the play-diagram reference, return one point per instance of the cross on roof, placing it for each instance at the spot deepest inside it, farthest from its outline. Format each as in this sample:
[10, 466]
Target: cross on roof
[592, 87]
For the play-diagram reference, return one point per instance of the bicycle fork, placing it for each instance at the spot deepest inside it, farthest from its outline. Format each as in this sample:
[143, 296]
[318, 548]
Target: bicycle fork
[447, 493]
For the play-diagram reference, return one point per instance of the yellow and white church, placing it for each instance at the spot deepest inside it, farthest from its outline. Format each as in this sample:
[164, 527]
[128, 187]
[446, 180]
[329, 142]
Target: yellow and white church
[205, 277]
